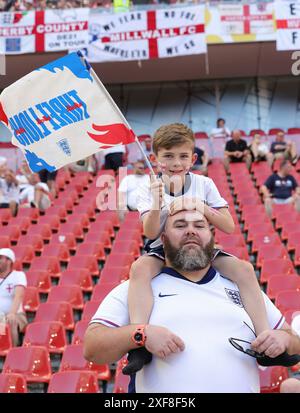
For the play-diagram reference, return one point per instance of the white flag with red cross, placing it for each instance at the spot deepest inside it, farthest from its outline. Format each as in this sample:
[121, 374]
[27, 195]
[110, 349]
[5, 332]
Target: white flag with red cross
[43, 31]
[146, 34]
[61, 113]
[247, 18]
[288, 25]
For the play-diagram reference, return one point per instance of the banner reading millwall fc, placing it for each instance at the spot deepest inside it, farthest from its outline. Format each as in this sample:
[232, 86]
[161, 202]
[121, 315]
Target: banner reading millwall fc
[142, 35]
[61, 113]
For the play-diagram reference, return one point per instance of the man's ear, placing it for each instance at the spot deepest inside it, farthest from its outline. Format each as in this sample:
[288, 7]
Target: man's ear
[163, 237]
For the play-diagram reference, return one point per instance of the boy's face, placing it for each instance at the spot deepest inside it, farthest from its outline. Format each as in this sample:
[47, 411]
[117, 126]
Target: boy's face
[177, 160]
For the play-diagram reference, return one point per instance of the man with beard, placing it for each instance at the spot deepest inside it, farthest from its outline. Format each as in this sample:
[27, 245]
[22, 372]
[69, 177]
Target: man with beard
[196, 312]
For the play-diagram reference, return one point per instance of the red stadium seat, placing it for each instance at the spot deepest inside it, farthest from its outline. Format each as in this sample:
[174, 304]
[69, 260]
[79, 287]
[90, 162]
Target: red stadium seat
[278, 283]
[57, 210]
[5, 339]
[278, 209]
[239, 252]
[262, 228]
[44, 230]
[73, 228]
[130, 234]
[24, 253]
[12, 383]
[287, 228]
[257, 131]
[31, 300]
[255, 218]
[85, 209]
[288, 300]
[271, 378]
[35, 240]
[118, 259]
[89, 310]
[111, 216]
[250, 209]
[201, 135]
[64, 201]
[290, 314]
[4, 241]
[22, 222]
[50, 264]
[291, 216]
[96, 249]
[121, 381]
[59, 250]
[273, 131]
[275, 267]
[39, 279]
[80, 218]
[113, 274]
[293, 240]
[52, 220]
[232, 240]
[5, 216]
[69, 293]
[268, 252]
[73, 360]
[74, 382]
[262, 239]
[79, 331]
[32, 213]
[12, 232]
[293, 131]
[84, 261]
[71, 193]
[126, 247]
[101, 290]
[65, 238]
[56, 311]
[32, 362]
[95, 236]
[49, 334]
[80, 277]
[297, 256]
[102, 225]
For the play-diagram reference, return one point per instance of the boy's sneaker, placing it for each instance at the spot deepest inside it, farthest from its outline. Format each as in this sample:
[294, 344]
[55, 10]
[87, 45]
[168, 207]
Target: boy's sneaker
[136, 360]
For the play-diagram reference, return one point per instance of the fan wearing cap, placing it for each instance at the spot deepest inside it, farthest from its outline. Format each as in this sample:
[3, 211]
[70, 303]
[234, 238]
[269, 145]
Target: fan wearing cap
[12, 288]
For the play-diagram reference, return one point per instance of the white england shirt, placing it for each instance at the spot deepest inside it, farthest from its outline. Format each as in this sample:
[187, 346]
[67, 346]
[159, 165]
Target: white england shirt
[205, 315]
[7, 290]
[129, 186]
[196, 186]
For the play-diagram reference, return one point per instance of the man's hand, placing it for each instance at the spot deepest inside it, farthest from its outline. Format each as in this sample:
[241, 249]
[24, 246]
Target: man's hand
[162, 342]
[11, 318]
[157, 192]
[271, 342]
[189, 204]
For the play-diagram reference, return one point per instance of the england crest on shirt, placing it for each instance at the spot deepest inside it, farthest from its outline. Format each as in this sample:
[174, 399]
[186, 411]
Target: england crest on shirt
[234, 296]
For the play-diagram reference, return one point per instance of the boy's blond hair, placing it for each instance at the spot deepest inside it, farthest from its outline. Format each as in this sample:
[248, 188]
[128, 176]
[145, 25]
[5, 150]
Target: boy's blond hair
[175, 134]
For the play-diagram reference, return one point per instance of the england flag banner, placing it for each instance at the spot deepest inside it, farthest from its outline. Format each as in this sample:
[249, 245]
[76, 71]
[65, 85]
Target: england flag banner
[61, 113]
[142, 35]
[247, 18]
[17, 33]
[44, 31]
[288, 25]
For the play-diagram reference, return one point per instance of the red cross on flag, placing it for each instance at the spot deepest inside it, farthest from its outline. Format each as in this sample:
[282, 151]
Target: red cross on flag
[142, 35]
[247, 18]
[288, 25]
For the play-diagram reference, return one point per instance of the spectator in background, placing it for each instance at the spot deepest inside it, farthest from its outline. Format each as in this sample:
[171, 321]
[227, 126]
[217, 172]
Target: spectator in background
[281, 149]
[9, 192]
[129, 186]
[114, 157]
[88, 164]
[201, 161]
[236, 150]
[36, 195]
[23, 174]
[48, 178]
[259, 150]
[281, 188]
[12, 288]
[3, 166]
[147, 146]
[221, 131]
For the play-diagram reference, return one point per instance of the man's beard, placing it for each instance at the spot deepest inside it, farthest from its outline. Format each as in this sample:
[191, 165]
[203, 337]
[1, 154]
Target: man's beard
[190, 258]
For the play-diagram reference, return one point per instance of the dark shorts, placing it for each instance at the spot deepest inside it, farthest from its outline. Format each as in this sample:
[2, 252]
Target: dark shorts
[4, 205]
[160, 253]
[114, 161]
[46, 176]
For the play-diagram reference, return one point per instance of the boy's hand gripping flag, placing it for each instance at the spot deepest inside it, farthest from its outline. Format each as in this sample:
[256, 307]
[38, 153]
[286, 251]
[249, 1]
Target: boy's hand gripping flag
[61, 113]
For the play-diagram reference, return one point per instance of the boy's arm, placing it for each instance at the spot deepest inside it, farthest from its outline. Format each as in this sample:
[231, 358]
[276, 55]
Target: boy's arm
[220, 218]
[151, 218]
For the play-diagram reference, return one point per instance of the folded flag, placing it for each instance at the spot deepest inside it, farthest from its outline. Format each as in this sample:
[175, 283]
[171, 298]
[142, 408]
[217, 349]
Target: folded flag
[61, 113]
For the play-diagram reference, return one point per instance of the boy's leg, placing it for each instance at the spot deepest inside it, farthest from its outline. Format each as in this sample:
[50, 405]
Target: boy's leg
[140, 296]
[140, 303]
[242, 273]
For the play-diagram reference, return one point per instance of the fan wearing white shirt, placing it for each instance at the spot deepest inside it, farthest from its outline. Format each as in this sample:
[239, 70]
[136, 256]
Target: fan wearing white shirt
[221, 131]
[196, 314]
[36, 194]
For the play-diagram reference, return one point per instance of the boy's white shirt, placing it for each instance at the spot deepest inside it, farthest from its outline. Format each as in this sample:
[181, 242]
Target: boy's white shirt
[201, 187]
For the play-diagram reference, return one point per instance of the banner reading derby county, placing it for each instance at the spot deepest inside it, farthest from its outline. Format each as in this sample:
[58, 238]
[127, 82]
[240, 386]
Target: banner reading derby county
[61, 113]
[43, 31]
[142, 35]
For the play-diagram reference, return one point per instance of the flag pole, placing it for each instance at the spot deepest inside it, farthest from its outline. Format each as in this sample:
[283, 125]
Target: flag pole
[94, 75]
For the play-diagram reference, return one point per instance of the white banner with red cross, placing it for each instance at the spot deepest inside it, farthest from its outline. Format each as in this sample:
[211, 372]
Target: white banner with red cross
[142, 35]
[43, 31]
[247, 18]
[288, 25]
